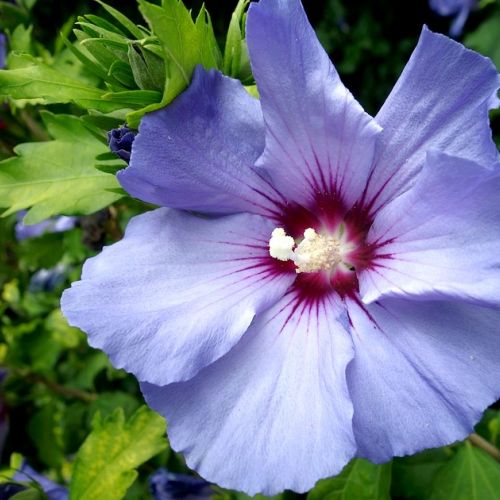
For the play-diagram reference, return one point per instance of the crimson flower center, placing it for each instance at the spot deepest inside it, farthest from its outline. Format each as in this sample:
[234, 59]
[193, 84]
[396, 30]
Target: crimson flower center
[314, 252]
[325, 245]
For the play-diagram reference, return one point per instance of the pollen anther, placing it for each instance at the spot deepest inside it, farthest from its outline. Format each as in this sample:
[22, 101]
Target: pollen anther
[281, 245]
[316, 252]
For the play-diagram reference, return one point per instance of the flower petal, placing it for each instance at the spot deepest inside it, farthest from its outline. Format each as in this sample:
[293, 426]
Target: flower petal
[274, 413]
[422, 374]
[318, 138]
[176, 293]
[198, 152]
[440, 237]
[441, 101]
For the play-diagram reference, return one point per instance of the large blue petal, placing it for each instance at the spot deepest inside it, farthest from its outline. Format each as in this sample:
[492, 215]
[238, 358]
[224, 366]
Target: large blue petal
[442, 237]
[176, 293]
[274, 413]
[441, 101]
[198, 152]
[318, 138]
[422, 374]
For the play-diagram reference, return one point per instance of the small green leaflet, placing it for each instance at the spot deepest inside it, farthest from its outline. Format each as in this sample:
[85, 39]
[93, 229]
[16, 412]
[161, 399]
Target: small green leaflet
[106, 462]
[236, 59]
[360, 480]
[58, 176]
[470, 475]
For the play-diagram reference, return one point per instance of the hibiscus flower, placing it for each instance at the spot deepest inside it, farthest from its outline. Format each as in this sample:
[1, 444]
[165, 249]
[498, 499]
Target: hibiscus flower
[459, 8]
[324, 285]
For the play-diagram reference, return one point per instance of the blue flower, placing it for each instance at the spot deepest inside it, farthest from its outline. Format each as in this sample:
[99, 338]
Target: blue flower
[53, 225]
[166, 485]
[27, 474]
[4, 421]
[3, 50]
[46, 280]
[324, 285]
[458, 8]
[120, 142]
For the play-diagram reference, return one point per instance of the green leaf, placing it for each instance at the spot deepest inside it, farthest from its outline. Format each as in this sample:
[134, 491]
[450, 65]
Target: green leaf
[95, 362]
[123, 20]
[412, 476]
[185, 44]
[95, 31]
[103, 23]
[148, 68]
[470, 475]
[57, 176]
[234, 41]
[46, 429]
[121, 72]
[108, 402]
[223, 494]
[30, 494]
[85, 58]
[106, 462]
[360, 480]
[485, 38]
[12, 15]
[134, 98]
[48, 86]
[20, 40]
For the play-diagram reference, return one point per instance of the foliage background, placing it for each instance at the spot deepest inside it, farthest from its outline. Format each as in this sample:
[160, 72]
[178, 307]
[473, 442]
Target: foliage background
[63, 407]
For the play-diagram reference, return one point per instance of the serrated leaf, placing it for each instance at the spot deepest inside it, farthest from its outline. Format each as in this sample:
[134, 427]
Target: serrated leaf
[57, 176]
[360, 480]
[470, 475]
[37, 80]
[123, 20]
[20, 40]
[185, 44]
[103, 23]
[106, 462]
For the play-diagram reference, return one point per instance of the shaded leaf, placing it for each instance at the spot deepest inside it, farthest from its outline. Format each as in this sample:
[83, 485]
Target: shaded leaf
[360, 480]
[485, 38]
[412, 476]
[470, 475]
[46, 429]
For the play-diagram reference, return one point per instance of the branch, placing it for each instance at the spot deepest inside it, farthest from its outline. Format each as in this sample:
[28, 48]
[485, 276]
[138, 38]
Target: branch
[486, 446]
[61, 390]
